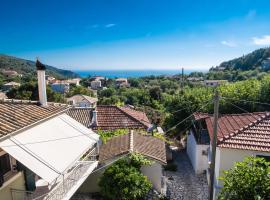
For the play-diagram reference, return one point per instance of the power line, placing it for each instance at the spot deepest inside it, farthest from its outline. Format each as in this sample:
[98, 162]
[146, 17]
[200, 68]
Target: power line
[243, 110]
[248, 101]
[172, 128]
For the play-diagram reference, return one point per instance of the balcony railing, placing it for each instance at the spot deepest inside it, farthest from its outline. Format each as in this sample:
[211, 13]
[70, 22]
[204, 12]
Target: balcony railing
[69, 181]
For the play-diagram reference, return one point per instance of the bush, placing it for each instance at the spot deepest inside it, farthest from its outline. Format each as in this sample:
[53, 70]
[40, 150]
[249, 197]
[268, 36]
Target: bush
[247, 180]
[123, 181]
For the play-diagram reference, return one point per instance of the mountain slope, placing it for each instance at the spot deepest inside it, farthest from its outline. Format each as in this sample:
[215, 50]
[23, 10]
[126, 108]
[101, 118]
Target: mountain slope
[250, 61]
[25, 67]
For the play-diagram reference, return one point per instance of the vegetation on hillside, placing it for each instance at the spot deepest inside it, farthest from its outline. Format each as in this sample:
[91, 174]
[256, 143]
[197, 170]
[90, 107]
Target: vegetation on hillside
[28, 68]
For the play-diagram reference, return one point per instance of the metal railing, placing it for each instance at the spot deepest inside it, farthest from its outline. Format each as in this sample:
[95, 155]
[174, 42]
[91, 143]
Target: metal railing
[68, 182]
[65, 185]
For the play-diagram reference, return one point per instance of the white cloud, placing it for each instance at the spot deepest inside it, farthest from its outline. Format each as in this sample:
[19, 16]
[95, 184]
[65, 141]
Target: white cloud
[109, 25]
[229, 43]
[264, 40]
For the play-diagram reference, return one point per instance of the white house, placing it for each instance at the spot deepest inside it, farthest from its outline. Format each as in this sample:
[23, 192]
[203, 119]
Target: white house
[10, 85]
[96, 84]
[82, 101]
[44, 153]
[121, 146]
[238, 136]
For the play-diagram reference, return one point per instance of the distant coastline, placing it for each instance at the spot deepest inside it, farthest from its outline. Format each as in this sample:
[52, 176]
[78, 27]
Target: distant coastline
[131, 73]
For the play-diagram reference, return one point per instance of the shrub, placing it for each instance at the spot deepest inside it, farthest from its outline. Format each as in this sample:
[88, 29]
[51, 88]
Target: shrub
[247, 180]
[123, 181]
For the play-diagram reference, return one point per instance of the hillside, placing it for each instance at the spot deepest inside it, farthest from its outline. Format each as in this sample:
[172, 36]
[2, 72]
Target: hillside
[250, 61]
[27, 67]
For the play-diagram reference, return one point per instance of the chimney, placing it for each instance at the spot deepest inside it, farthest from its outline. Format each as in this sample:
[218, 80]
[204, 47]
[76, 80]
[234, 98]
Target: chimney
[94, 117]
[41, 83]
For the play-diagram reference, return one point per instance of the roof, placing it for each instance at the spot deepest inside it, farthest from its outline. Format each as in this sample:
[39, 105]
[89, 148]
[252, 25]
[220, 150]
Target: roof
[121, 79]
[80, 98]
[13, 83]
[9, 72]
[18, 114]
[114, 117]
[111, 118]
[146, 145]
[58, 142]
[249, 131]
[82, 115]
[200, 115]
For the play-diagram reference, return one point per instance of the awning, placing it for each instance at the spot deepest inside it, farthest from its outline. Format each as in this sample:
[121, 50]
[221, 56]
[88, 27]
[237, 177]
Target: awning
[50, 148]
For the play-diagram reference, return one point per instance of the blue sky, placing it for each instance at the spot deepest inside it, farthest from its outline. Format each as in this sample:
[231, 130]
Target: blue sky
[133, 34]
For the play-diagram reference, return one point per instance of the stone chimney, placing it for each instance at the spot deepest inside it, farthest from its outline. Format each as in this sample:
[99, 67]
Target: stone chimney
[41, 83]
[94, 117]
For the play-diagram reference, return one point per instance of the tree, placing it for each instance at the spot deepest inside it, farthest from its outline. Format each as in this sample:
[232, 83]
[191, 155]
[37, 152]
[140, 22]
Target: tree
[247, 180]
[124, 181]
[79, 90]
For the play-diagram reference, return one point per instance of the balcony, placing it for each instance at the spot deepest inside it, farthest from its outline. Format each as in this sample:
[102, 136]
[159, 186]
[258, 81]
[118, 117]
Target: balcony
[66, 186]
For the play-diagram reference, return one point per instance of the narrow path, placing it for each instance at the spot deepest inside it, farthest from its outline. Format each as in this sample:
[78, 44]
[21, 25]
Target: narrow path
[184, 184]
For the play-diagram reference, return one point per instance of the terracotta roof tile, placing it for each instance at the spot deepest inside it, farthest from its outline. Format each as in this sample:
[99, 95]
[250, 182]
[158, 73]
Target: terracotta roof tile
[249, 131]
[17, 114]
[146, 145]
[82, 115]
[113, 117]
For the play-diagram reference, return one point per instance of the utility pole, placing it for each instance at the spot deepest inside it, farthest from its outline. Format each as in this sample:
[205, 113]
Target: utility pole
[182, 78]
[214, 145]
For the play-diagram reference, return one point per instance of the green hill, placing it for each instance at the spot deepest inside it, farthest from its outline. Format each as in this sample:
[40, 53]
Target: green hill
[27, 67]
[250, 61]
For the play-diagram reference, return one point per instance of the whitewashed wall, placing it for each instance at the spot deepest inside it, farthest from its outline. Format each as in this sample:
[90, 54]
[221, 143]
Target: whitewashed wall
[195, 153]
[154, 175]
[226, 158]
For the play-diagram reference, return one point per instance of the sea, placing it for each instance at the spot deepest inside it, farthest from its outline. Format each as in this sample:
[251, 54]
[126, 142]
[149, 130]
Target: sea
[131, 73]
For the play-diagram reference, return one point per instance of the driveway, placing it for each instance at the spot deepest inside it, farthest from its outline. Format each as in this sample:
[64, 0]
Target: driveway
[184, 184]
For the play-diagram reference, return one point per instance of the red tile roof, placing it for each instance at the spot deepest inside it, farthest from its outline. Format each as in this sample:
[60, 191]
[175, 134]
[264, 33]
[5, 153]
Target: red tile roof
[114, 117]
[82, 115]
[250, 131]
[146, 145]
[18, 114]
[200, 115]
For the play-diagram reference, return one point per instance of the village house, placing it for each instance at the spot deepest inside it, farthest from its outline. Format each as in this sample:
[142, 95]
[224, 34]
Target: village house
[96, 84]
[49, 79]
[122, 82]
[74, 81]
[10, 73]
[214, 83]
[121, 146]
[82, 101]
[44, 153]
[238, 136]
[10, 85]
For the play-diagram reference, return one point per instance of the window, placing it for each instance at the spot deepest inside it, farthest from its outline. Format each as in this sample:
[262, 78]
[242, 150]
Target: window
[4, 164]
